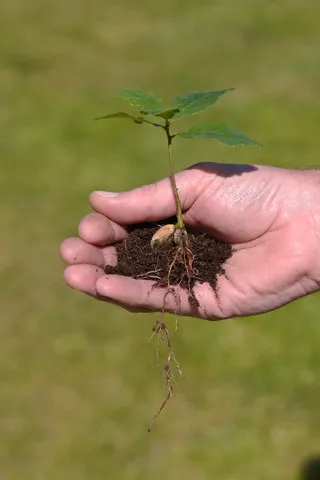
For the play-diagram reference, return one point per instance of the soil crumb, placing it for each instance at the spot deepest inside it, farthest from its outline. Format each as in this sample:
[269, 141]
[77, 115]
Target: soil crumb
[138, 260]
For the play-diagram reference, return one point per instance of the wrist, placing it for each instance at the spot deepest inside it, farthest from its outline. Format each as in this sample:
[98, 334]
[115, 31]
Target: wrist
[311, 197]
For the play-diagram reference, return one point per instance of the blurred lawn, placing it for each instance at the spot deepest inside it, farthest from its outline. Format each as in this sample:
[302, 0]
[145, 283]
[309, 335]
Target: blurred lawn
[78, 381]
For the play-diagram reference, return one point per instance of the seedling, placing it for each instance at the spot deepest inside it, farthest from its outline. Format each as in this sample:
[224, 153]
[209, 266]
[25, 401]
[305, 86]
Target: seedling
[173, 238]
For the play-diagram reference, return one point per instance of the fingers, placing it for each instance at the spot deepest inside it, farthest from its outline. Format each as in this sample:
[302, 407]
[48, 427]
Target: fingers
[148, 203]
[137, 294]
[76, 251]
[142, 295]
[99, 230]
[83, 278]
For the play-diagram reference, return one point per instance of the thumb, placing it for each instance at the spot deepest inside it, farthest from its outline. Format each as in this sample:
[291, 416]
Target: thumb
[148, 203]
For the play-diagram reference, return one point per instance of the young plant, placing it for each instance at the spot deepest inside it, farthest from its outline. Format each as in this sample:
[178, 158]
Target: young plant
[151, 111]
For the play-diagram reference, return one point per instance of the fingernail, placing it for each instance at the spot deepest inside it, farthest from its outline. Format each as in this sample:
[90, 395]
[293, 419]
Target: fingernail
[105, 194]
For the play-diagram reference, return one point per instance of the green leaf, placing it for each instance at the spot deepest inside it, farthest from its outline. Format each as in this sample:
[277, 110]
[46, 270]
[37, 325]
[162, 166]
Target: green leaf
[194, 103]
[146, 101]
[115, 115]
[222, 132]
[121, 115]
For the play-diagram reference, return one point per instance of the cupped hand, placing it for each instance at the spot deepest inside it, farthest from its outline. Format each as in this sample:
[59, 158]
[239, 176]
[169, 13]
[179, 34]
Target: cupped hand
[268, 214]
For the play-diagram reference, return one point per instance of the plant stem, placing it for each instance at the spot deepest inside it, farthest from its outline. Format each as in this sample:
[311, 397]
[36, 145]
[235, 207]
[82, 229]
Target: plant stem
[180, 222]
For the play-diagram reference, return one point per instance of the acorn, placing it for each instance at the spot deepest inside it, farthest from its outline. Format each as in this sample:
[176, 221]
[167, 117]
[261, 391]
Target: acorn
[163, 236]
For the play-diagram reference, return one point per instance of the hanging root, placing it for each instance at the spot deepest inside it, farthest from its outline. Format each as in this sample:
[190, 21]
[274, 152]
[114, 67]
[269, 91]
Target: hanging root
[162, 331]
[183, 254]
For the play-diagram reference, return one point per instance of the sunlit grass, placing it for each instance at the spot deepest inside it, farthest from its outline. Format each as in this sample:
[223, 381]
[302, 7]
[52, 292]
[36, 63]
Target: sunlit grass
[79, 383]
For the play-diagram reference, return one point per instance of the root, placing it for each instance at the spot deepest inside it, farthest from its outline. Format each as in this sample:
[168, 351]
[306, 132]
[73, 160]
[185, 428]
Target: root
[184, 255]
[156, 415]
[162, 331]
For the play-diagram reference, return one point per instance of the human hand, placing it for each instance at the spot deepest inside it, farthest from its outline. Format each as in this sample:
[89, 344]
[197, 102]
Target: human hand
[270, 215]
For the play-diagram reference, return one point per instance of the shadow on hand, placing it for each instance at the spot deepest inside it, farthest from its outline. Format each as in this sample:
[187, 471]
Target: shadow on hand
[310, 469]
[224, 169]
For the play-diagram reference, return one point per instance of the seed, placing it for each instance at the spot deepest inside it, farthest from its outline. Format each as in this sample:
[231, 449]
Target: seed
[162, 236]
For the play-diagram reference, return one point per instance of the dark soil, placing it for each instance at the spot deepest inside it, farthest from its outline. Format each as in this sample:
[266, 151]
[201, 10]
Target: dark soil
[138, 260]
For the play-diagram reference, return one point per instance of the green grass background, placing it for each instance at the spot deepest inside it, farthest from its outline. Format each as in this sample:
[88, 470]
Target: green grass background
[78, 380]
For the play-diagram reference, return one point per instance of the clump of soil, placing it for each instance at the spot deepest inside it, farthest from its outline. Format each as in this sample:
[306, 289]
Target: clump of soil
[165, 265]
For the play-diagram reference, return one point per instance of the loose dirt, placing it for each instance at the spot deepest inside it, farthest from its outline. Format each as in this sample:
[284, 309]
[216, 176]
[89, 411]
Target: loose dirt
[164, 266]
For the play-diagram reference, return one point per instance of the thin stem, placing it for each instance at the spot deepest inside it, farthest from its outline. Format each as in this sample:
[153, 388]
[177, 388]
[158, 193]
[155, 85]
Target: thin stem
[145, 120]
[180, 222]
